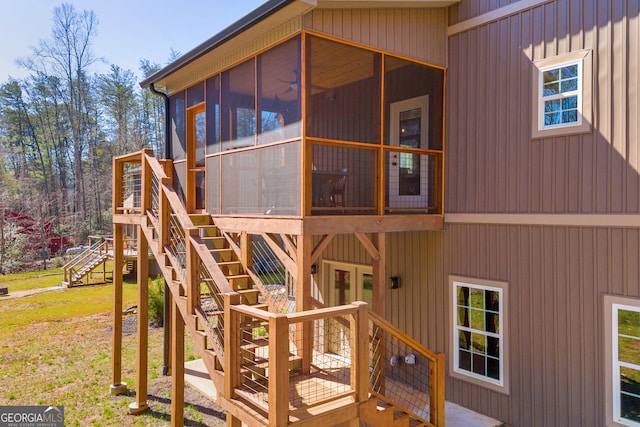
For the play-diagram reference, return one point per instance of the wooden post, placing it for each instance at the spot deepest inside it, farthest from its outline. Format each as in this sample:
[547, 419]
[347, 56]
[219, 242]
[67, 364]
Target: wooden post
[169, 307]
[437, 395]
[117, 386]
[360, 351]
[193, 277]
[177, 360]
[140, 405]
[232, 341]
[304, 333]
[379, 275]
[279, 370]
[116, 185]
[246, 247]
[145, 179]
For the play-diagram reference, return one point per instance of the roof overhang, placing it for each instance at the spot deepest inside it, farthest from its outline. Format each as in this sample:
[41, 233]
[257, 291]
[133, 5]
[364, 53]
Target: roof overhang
[266, 18]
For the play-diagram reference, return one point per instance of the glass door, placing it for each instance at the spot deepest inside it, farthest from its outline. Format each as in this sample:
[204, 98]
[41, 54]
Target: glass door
[346, 283]
[196, 142]
[408, 172]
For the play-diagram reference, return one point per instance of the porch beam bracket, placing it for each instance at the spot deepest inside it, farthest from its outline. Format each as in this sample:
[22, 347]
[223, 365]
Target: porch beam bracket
[289, 263]
[321, 246]
[369, 246]
[290, 246]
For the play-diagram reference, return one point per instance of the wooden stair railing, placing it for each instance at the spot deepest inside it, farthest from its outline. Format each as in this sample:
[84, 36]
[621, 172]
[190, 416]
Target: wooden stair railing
[405, 377]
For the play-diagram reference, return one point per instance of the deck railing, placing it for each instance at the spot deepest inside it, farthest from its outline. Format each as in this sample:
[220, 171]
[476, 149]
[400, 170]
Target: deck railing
[269, 365]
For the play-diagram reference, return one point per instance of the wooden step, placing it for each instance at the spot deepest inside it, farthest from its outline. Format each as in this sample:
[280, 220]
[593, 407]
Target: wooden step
[200, 219]
[240, 281]
[208, 231]
[214, 242]
[249, 296]
[231, 268]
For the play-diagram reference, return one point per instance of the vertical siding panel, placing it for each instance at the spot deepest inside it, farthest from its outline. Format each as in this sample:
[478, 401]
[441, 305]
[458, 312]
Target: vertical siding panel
[522, 138]
[549, 320]
[563, 283]
[573, 294]
[589, 304]
[617, 261]
[537, 344]
[619, 105]
[631, 54]
[603, 110]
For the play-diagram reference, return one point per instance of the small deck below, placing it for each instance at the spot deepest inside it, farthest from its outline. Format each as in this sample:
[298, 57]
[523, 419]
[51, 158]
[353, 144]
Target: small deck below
[197, 377]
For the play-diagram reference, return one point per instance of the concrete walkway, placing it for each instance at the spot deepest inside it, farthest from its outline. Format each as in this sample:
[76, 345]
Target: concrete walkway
[196, 376]
[21, 294]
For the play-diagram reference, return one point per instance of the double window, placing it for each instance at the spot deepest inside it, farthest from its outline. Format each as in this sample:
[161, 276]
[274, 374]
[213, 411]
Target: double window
[623, 368]
[478, 332]
[562, 91]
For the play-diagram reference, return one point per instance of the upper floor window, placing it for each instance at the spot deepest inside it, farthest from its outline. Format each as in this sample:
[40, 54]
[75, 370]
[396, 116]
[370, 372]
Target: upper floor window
[563, 95]
[560, 95]
[478, 332]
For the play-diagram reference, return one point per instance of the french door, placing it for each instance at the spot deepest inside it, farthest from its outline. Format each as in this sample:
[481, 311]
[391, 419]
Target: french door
[346, 283]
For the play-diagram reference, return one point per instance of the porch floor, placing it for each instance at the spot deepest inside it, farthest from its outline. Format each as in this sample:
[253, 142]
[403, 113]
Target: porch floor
[455, 415]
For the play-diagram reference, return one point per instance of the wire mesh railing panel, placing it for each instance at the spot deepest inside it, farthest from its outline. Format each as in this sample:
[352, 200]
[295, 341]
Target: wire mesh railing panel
[212, 305]
[177, 244]
[254, 357]
[330, 373]
[155, 196]
[131, 188]
[273, 274]
[399, 373]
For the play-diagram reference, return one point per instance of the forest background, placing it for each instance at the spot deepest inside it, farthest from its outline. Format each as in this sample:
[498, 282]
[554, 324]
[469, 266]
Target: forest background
[59, 128]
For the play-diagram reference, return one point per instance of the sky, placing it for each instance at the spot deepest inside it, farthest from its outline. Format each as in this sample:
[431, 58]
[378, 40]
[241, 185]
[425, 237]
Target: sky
[128, 30]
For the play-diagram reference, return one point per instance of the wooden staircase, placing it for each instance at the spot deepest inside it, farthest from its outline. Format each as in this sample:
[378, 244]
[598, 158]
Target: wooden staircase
[262, 362]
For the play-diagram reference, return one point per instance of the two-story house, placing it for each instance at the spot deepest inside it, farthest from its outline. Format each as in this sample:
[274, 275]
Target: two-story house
[469, 169]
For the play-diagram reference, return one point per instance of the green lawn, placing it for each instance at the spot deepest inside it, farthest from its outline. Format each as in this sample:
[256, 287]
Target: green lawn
[55, 349]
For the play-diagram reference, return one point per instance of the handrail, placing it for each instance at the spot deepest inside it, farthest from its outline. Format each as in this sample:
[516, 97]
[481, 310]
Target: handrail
[433, 398]
[101, 247]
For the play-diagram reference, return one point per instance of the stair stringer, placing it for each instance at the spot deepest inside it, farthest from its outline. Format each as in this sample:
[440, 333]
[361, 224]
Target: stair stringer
[211, 361]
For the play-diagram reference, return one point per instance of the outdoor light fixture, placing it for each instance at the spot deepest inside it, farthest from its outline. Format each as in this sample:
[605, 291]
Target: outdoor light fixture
[395, 282]
[314, 269]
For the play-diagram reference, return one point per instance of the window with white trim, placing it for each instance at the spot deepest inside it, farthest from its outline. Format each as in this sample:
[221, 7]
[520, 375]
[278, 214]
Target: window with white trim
[562, 94]
[624, 369]
[478, 335]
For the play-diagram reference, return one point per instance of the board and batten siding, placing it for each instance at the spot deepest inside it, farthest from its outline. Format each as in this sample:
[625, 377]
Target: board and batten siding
[414, 33]
[493, 165]
[557, 277]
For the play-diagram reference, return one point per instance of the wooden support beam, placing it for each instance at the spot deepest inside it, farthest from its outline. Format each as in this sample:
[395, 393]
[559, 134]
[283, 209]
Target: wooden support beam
[321, 246]
[140, 405]
[379, 274]
[437, 396]
[286, 260]
[177, 360]
[117, 386]
[304, 333]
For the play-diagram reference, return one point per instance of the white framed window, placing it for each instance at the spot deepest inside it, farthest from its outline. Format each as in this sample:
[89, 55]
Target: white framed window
[623, 360]
[478, 330]
[562, 93]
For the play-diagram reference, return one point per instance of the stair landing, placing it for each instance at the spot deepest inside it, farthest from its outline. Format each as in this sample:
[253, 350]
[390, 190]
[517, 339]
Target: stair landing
[195, 374]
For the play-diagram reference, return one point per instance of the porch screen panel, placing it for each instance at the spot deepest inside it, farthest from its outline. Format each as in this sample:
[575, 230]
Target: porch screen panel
[344, 92]
[195, 94]
[279, 93]
[180, 179]
[213, 115]
[213, 185]
[178, 117]
[262, 181]
[343, 180]
[238, 120]
[406, 80]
